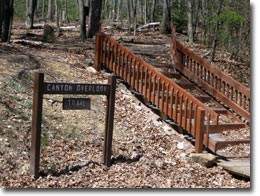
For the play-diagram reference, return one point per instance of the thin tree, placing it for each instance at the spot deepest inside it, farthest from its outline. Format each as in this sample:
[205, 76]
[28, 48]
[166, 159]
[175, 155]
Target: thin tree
[50, 12]
[82, 16]
[215, 36]
[30, 10]
[153, 11]
[190, 21]
[1, 15]
[164, 26]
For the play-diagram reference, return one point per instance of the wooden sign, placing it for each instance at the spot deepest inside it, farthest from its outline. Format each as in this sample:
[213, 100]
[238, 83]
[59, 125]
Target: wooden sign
[76, 104]
[76, 89]
[41, 88]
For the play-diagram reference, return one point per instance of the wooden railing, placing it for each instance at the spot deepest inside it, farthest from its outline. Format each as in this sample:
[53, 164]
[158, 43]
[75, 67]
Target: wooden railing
[209, 77]
[170, 98]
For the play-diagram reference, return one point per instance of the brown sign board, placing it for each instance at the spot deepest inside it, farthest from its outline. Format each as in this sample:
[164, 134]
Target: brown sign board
[76, 89]
[76, 104]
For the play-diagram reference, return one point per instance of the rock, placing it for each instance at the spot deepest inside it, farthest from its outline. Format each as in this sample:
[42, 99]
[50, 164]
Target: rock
[91, 69]
[206, 160]
[190, 151]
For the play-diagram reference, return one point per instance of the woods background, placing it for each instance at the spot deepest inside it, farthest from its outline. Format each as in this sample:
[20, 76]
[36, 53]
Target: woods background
[222, 24]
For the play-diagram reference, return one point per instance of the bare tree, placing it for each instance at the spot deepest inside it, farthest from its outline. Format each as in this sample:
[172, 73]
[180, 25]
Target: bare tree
[95, 18]
[82, 16]
[6, 18]
[166, 18]
[190, 20]
[50, 12]
[30, 10]
[153, 11]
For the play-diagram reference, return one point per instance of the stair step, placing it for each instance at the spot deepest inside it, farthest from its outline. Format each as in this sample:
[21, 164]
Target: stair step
[219, 128]
[203, 99]
[171, 75]
[187, 85]
[220, 110]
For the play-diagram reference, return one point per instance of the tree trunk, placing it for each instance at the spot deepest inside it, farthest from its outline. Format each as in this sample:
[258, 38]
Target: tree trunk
[58, 11]
[190, 21]
[65, 13]
[95, 18]
[43, 9]
[7, 17]
[82, 16]
[30, 10]
[128, 6]
[50, 13]
[134, 16]
[115, 10]
[153, 11]
[118, 10]
[164, 26]
[215, 36]
[1, 15]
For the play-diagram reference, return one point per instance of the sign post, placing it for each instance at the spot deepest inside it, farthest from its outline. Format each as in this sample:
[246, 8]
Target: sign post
[41, 88]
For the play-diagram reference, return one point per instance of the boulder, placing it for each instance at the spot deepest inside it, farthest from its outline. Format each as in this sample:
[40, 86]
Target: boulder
[206, 160]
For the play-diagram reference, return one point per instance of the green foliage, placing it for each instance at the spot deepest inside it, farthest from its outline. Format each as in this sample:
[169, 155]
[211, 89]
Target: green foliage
[180, 20]
[230, 17]
[20, 9]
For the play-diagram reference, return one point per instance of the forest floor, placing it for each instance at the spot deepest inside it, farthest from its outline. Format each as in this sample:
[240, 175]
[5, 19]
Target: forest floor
[146, 151]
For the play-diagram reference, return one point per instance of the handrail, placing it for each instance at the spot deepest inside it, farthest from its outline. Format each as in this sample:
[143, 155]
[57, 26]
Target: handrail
[156, 88]
[217, 83]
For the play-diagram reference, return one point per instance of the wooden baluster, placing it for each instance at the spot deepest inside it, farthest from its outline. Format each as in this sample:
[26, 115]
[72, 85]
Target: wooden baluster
[170, 110]
[167, 99]
[137, 75]
[118, 63]
[208, 77]
[185, 112]
[145, 81]
[158, 92]
[111, 56]
[244, 103]
[236, 96]
[153, 88]
[190, 117]
[181, 110]
[193, 131]
[123, 63]
[240, 99]
[175, 112]
[149, 85]
[126, 67]
[248, 107]
[141, 79]
[129, 69]
[162, 97]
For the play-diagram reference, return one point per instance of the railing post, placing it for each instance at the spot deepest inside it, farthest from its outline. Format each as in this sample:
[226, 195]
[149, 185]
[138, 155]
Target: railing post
[173, 39]
[98, 51]
[199, 130]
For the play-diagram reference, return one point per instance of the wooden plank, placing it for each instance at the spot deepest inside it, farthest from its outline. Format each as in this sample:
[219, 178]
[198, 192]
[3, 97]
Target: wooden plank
[220, 110]
[222, 144]
[187, 85]
[239, 167]
[203, 99]
[219, 128]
